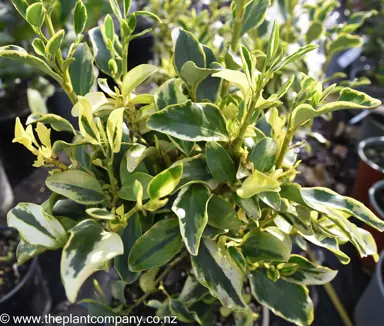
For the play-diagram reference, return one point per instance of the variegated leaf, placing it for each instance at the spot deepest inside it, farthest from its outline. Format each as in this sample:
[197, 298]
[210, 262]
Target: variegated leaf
[217, 271]
[156, 247]
[36, 227]
[287, 300]
[77, 185]
[87, 250]
[165, 182]
[26, 251]
[190, 206]
[115, 129]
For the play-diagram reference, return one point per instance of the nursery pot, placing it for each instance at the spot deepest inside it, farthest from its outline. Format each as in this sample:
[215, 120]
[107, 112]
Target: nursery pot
[30, 296]
[371, 167]
[6, 194]
[372, 126]
[369, 309]
[376, 199]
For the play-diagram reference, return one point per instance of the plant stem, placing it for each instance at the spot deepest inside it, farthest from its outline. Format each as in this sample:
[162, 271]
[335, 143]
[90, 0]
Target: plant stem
[240, 138]
[284, 148]
[333, 296]
[125, 56]
[157, 280]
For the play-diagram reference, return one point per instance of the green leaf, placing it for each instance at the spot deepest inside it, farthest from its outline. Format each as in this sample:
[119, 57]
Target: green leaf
[222, 214]
[284, 299]
[18, 54]
[190, 206]
[127, 190]
[54, 43]
[216, 270]
[101, 52]
[36, 227]
[294, 56]
[165, 182]
[147, 280]
[127, 6]
[36, 101]
[254, 15]
[148, 14]
[182, 313]
[348, 99]
[260, 246]
[87, 250]
[77, 185]
[219, 162]
[272, 199]
[357, 19]
[87, 124]
[249, 205]
[248, 64]
[79, 17]
[81, 71]
[195, 170]
[116, 9]
[191, 122]
[169, 93]
[236, 77]
[136, 77]
[273, 43]
[55, 121]
[130, 234]
[109, 28]
[21, 6]
[308, 273]
[263, 155]
[100, 213]
[26, 251]
[187, 48]
[344, 41]
[257, 182]
[35, 14]
[39, 47]
[193, 75]
[157, 246]
[115, 129]
[315, 30]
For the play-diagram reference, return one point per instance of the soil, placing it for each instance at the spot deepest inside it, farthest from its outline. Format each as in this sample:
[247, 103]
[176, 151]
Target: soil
[10, 273]
[375, 153]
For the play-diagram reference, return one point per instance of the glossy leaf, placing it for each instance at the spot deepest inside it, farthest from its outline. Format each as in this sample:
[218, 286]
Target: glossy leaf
[263, 155]
[190, 206]
[308, 273]
[79, 17]
[218, 272]
[219, 162]
[169, 93]
[26, 251]
[273, 43]
[55, 121]
[190, 121]
[348, 99]
[284, 299]
[35, 14]
[187, 48]
[76, 185]
[315, 30]
[54, 42]
[254, 14]
[136, 77]
[236, 77]
[127, 190]
[165, 182]
[18, 54]
[129, 235]
[260, 245]
[222, 214]
[88, 249]
[156, 247]
[81, 71]
[115, 129]
[100, 213]
[256, 183]
[36, 227]
[344, 41]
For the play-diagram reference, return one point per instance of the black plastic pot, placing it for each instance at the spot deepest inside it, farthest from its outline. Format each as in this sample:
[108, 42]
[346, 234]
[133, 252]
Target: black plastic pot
[30, 297]
[369, 309]
[6, 194]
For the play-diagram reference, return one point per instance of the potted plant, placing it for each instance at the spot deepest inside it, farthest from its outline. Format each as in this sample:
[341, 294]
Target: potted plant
[20, 282]
[189, 192]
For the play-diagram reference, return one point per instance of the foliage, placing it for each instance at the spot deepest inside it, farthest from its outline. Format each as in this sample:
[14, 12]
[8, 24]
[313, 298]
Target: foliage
[200, 171]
